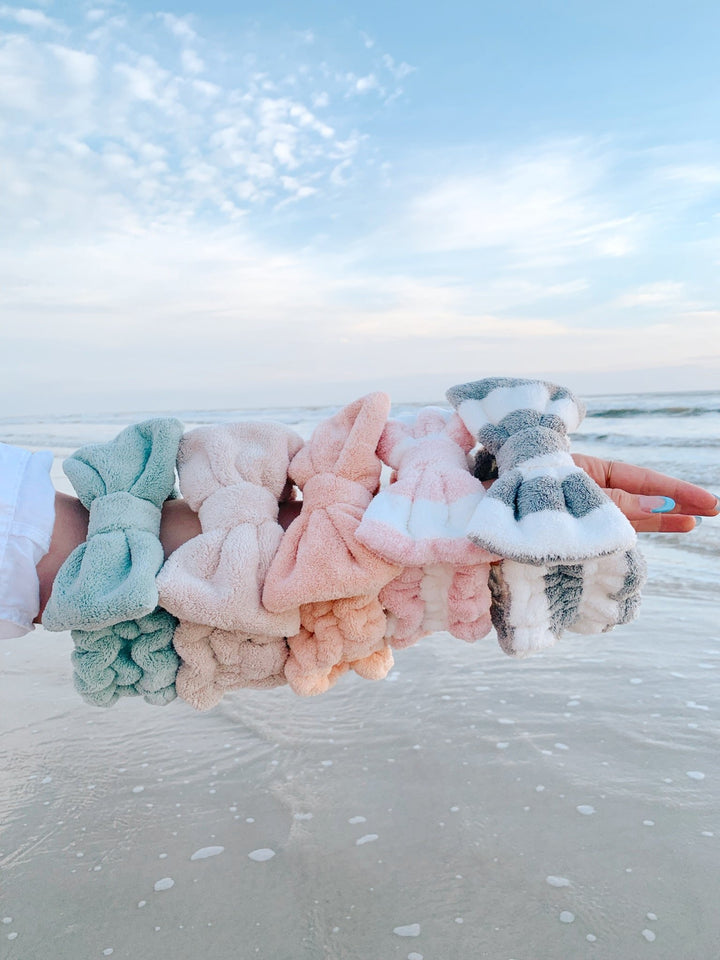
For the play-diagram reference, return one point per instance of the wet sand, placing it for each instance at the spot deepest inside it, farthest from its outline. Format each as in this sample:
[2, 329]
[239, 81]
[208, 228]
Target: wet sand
[470, 806]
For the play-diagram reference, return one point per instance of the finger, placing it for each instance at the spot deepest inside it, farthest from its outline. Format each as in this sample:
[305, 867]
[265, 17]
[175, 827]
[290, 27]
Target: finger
[665, 523]
[641, 507]
[689, 498]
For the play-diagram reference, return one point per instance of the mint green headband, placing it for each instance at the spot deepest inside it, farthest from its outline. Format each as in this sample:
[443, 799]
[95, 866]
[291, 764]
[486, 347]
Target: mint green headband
[124, 483]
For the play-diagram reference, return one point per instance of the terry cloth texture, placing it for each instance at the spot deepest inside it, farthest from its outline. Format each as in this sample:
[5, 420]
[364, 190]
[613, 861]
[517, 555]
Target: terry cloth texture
[123, 483]
[533, 605]
[571, 561]
[542, 508]
[27, 515]
[420, 521]
[233, 477]
[130, 659]
[214, 661]
[321, 564]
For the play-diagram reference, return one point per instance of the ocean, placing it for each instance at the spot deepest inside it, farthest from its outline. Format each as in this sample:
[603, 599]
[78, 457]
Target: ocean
[470, 806]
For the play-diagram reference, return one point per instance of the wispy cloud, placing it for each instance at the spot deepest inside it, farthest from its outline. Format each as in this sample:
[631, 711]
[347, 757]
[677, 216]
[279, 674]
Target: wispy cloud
[153, 121]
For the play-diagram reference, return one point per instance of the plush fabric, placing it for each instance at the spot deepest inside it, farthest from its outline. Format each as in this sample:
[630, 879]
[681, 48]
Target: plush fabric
[570, 557]
[233, 477]
[612, 587]
[321, 561]
[542, 508]
[128, 659]
[420, 521]
[111, 577]
[215, 661]
[533, 605]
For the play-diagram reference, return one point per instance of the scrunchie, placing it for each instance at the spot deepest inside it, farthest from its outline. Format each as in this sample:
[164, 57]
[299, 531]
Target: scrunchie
[420, 521]
[322, 565]
[215, 661]
[533, 605]
[542, 508]
[129, 659]
[111, 577]
[233, 477]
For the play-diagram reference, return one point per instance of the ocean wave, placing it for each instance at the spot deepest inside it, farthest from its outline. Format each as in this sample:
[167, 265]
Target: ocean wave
[679, 411]
[622, 439]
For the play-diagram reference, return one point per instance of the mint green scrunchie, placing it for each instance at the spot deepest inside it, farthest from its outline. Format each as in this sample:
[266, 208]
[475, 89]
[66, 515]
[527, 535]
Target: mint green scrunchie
[130, 659]
[124, 483]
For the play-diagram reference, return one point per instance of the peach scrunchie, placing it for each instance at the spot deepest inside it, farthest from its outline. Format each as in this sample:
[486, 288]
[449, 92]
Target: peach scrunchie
[320, 563]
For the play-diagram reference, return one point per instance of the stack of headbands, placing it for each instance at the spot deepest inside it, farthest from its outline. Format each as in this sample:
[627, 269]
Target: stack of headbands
[361, 570]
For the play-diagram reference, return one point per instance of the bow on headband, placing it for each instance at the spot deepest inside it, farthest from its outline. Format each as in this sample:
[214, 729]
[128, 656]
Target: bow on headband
[233, 477]
[320, 560]
[420, 521]
[123, 483]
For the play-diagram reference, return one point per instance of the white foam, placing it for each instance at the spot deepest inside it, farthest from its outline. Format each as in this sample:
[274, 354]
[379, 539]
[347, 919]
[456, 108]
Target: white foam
[585, 809]
[164, 884]
[357, 820]
[649, 935]
[411, 930]
[651, 916]
[557, 881]
[415, 956]
[566, 917]
[368, 838]
[204, 852]
[138, 789]
[695, 774]
[108, 951]
[264, 853]
[302, 816]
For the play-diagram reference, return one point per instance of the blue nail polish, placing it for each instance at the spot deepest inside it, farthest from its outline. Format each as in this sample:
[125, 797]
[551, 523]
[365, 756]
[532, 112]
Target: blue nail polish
[666, 507]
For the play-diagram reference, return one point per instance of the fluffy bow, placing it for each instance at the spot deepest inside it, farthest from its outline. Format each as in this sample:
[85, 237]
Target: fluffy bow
[320, 559]
[420, 521]
[123, 483]
[233, 477]
[542, 508]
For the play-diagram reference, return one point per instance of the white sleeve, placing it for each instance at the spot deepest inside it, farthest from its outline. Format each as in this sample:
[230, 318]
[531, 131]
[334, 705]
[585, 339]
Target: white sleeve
[27, 515]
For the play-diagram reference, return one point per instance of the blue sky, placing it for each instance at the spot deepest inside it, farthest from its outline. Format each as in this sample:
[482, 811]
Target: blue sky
[296, 203]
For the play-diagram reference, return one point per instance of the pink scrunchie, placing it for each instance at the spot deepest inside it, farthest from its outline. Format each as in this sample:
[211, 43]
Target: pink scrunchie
[214, 661]
[322, 566]
[420, 520]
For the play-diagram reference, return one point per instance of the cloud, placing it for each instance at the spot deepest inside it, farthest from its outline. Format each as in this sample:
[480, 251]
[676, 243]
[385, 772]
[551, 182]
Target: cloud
[86, 113]
[549, 204]
[35, 19]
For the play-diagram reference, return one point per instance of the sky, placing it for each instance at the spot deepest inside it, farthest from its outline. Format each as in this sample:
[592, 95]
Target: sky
[280, 203]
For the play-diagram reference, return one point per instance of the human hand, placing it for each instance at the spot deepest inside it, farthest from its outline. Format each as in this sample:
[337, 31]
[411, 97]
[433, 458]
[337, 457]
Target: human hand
[643, 495]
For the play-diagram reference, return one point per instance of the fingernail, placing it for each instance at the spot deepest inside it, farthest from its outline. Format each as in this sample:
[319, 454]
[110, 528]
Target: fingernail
[698, 521]
[656, 504]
